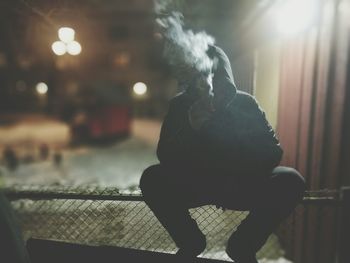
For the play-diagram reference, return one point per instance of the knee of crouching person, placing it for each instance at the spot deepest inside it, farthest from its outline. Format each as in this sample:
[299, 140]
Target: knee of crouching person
[148, 178]
[295, 181]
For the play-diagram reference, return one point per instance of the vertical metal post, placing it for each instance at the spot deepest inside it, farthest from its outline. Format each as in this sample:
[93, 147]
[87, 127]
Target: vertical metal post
[344, 227]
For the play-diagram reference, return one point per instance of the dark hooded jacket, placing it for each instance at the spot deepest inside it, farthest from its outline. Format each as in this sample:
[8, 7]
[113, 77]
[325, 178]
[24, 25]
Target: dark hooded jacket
[237, 138]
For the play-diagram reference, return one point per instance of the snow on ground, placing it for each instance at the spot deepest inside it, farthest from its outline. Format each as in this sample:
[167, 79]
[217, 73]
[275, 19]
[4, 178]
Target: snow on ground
[119, 164]
[31, 129]
[146, 130]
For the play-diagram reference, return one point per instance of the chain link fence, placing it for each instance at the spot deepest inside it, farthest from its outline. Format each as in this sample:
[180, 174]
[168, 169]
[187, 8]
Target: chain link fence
[108, 216]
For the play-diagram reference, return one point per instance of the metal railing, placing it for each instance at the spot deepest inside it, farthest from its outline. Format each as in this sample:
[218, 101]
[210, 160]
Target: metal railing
[108, 216]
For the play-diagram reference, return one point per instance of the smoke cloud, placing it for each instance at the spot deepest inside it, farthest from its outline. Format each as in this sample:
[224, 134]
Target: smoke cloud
[184, 49]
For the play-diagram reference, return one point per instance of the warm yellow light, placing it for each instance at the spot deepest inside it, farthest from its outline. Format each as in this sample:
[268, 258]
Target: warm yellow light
[59, 48]
[74, 48]
[140, 88]
[41, 88]
[295, 16]
[66, 34]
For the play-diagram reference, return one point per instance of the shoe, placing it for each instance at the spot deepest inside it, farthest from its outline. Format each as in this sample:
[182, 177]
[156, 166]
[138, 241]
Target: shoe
[193, 248]
[239, 252]
[183, 256]
[247, 258]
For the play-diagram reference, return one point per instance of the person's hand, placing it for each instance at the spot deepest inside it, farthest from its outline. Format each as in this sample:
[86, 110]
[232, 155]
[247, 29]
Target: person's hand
[200, 112]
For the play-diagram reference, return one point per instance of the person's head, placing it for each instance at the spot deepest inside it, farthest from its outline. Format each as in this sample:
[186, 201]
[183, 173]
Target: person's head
[222, 94]
[224, 88]
[197, 84]
[203, 84]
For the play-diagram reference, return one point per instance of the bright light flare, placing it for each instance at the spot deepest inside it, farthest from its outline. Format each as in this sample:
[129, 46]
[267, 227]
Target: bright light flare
[74, 48]
[295, 16]
[66, 34]
[140, 88]
[59, 48]
[41, 88]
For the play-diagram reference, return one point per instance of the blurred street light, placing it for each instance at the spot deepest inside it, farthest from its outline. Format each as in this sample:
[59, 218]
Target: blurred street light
[66, 34]
[74, 48]
[295, 16]
[59, 48]
[67, 44]
[140, 88]
[41, 88]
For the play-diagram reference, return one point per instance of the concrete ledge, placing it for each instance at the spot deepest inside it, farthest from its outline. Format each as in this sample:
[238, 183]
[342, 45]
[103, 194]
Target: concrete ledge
[44, 251]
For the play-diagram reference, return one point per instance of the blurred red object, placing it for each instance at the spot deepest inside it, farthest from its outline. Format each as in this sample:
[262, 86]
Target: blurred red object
[109, 121]
[103, 123]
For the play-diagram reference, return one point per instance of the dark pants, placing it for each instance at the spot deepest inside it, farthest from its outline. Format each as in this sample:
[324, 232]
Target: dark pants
[270, 198]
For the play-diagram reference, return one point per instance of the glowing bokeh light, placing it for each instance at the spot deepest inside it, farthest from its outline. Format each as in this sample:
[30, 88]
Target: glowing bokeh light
[59, 48]
[295, 16]
[66, 34]
[140, 88]
[41, 88]
[74, 48]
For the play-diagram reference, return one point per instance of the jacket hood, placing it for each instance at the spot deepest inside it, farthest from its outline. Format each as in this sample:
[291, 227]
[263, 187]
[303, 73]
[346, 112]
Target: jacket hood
[222, 69]
[222, 73]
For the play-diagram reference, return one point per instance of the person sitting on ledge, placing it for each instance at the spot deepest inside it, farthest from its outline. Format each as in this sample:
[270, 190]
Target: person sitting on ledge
[216, 147]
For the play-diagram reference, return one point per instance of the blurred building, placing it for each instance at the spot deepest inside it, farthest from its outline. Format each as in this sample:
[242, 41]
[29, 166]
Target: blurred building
[291, 55]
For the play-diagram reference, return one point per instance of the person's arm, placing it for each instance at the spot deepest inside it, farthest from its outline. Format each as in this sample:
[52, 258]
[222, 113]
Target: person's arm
[175, 135]
[257, 137]
[242, 134]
